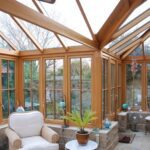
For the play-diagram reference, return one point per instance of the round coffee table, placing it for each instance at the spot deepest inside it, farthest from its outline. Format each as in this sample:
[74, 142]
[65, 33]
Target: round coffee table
[74, 145]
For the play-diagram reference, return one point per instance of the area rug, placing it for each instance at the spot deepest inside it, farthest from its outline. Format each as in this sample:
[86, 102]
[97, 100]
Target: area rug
[126, 137]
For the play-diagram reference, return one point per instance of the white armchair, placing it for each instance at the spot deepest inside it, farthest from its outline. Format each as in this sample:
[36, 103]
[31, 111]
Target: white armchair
[27, 131]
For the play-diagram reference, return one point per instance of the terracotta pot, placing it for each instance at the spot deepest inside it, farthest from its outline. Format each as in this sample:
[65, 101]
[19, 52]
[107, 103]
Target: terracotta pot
[82, 138]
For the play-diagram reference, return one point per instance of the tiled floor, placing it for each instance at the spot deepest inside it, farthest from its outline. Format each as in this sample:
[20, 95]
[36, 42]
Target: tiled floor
[140, 142]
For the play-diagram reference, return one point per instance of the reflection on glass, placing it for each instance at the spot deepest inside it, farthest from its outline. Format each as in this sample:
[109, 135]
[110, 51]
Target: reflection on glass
[27, 74]
[113, 87]
[27, 99]
[12, 101]
[5, 104]
[11, 74]
[35, 99]
[75, 100]
[54, 88]
[133, 85]
[4, 74]
[86, 100]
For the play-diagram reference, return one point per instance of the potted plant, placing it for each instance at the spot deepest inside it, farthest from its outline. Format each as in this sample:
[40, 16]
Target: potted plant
[81, 121]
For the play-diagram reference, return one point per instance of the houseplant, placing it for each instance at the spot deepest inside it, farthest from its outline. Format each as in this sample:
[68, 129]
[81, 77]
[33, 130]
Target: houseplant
[81, 121]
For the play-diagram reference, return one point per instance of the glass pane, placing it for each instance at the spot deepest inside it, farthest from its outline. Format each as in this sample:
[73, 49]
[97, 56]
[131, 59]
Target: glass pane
[113, 75]
[27, 74]
[113, 100]
[105, 103]
[4, 45]
[75, 73]
[98, 11]
[27, 98]
[139, 10]
[137, 52]
[58, 99]
[35, 74]
[86, 73]
[67, 14]
[148, 86]
[11, 74]
[9, 28]
[59, 74]
[4, 74]
[86, 100]
[49, 70]
[133, 84]
[119, 74]
[35, 99]
[50, 104]
[45, 38]
[75, 100]
[12, 100]
[147, 46]
[5, 104]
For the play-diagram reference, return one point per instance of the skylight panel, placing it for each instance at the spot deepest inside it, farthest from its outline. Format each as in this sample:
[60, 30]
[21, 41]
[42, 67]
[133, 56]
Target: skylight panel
[9, 28]
[68, 42]
[137, 12]
[67, 13]
[137, 52]
[45, 38]
[98, 11]
[4, 45]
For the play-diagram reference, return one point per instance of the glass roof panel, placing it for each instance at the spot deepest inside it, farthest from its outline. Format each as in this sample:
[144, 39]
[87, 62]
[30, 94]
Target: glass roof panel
[28, 3]
[124, 35]
[68, 42]
[67, 13]
[147, 46]
[129, 42]
[137, 51]
[98, 11]
[3, 44]
[45, 38]
[9, 28]
[137, 12]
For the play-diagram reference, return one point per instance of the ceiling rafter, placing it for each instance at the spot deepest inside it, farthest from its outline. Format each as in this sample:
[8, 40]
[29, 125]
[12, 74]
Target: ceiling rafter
[129, 37]
[28, 34]
[131, 24]
[25, 13]
[8, 41]
[86, 19]
[42, 11]
[138, 41]
[118, 16]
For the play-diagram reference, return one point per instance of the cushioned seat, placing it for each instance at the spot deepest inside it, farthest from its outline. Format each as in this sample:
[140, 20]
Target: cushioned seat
[27, 132]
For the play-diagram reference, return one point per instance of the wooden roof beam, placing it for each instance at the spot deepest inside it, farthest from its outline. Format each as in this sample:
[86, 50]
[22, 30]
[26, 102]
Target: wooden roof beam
[25, 13]
[8, 41]
[28, 34]
[86, 19]
[118, 16]
[129, 37]
[131, 24]
[42, 11]
[138, 41]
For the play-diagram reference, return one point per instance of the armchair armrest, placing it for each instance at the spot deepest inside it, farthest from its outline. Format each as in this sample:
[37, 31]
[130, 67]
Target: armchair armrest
[13, 138]
[49, 134]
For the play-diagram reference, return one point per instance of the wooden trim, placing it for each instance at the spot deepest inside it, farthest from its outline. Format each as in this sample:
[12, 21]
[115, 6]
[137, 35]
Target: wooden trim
[130, 36]
[8, 52]
[131, 24]
[118, 16]
[86, 19]
[27, 14]
[28, 34]
[8, 41]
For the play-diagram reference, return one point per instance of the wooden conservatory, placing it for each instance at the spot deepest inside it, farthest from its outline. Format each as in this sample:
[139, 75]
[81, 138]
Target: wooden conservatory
[92, 55]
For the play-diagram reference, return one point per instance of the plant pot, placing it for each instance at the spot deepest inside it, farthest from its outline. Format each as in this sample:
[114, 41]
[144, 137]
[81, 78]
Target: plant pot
[82, 138]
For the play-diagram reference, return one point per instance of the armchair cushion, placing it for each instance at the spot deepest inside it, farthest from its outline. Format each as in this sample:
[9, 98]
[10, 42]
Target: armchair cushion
[38, 143]
[14, 139]
[49, 134]
[26, 124]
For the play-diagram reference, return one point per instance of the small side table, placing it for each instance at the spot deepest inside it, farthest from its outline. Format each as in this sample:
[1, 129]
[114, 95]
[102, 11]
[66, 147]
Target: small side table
[74, 145]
